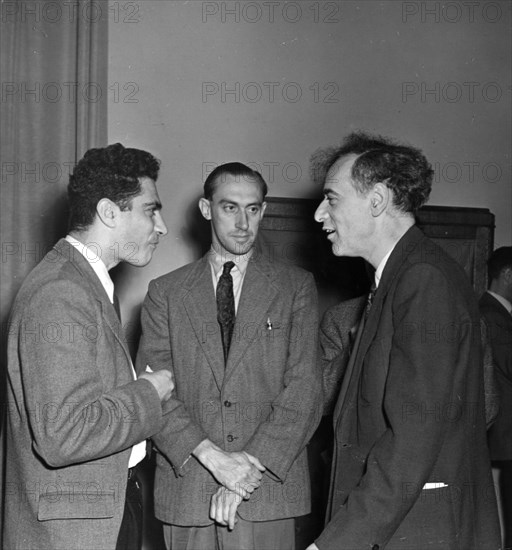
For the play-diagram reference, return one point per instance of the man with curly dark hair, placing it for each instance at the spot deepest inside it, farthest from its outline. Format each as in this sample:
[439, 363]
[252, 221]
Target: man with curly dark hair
[411, 468]
[77, 418]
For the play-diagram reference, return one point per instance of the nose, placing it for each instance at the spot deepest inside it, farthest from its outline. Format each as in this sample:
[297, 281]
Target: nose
[160, 226]
[242, 220]
[320, 212]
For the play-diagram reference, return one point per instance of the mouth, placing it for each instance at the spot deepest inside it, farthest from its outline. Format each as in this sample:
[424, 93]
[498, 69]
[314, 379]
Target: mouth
[330, 232]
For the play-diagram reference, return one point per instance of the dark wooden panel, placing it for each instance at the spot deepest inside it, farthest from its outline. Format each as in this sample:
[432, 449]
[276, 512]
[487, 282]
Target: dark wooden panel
[289, 232]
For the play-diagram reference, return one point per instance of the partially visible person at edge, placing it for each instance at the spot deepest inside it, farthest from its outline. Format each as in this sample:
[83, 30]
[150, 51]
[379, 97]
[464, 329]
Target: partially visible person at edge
[496, 309]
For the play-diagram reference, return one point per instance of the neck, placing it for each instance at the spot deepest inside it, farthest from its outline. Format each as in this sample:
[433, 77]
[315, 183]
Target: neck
[226, 256]
[387, 235]
[497, 287]
[105, 249]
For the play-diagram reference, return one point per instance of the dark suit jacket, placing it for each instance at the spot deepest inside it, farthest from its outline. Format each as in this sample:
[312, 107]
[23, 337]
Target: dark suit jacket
[74, 410]
[413, 414]
[499, 323]
[336, 338]
[266, 400]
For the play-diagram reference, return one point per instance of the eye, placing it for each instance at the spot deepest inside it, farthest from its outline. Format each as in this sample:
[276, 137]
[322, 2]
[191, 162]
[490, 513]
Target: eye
[229, 208]
[254, 210]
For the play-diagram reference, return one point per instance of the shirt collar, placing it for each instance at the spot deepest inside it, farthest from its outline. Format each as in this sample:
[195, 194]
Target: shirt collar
[381, 266]
[503, 301]
[90, 253]
[217, 261]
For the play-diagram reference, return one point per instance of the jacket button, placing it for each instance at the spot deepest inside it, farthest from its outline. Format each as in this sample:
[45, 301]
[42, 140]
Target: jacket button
[231, 438]
[375, 547]
[227, 403]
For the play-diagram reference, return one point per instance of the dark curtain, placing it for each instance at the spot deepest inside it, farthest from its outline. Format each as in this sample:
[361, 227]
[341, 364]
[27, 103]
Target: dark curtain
[53, 108]
[54, 58]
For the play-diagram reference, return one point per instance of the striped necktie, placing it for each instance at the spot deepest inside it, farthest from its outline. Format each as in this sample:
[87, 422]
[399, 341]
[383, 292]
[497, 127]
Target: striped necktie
[226, 307]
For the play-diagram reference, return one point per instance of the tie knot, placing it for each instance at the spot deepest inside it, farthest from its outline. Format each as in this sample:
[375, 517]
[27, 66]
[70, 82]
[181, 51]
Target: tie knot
[228, 266]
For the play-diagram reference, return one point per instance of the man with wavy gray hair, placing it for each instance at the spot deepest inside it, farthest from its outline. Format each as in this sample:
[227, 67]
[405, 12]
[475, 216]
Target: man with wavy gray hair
[410, 468]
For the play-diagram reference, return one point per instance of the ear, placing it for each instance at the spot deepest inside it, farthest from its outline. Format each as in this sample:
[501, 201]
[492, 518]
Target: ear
[263, 208]
[205, 207]
[380, 197]
[107, 212]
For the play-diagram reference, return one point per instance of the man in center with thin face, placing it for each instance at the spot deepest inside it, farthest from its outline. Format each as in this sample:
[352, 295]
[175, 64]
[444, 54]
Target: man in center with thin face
[238, 331]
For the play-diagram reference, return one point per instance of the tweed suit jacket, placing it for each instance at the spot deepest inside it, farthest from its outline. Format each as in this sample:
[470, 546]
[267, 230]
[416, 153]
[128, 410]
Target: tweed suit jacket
[337, 328]
[499, 324]
[74, 410]
[411, 413]
[266, 400]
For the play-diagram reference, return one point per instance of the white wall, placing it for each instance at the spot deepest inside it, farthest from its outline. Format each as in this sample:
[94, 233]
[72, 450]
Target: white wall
[437, 77]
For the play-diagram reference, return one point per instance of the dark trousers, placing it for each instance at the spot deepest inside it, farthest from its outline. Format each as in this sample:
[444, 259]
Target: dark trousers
[130, 534]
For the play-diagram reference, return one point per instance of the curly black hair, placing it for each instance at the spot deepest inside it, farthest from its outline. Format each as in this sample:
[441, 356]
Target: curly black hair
[404, 169]
[111, 172]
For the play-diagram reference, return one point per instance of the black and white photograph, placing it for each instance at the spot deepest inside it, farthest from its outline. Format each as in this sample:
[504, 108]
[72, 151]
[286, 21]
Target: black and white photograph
[256, 275]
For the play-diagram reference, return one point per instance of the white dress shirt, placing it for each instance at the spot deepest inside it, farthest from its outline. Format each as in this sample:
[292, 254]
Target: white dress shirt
[217, 262]
[381, 266]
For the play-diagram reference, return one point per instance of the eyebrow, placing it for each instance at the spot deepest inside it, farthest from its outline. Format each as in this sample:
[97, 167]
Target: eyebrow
[153, 204]
[329, 191]
[227, 201]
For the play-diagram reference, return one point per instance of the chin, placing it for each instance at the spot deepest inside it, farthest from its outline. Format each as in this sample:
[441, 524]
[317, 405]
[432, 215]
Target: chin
[336, 250]
[141, 262]
[241, 250]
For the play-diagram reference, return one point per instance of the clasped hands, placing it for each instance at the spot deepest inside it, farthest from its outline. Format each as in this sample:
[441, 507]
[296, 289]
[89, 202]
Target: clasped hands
[239, 473]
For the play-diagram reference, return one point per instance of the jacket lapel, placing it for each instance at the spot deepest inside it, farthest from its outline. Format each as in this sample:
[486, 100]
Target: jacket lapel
[109, 315]
[258, 293]
[199, 303]
[398, 257]
[490, 301]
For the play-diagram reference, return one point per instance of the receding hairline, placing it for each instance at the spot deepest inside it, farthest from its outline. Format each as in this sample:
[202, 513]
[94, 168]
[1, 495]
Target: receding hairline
[335, 167]
[256, 179]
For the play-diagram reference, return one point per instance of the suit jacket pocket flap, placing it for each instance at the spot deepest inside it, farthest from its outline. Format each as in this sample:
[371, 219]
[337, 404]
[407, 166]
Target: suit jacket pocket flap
[61, 505]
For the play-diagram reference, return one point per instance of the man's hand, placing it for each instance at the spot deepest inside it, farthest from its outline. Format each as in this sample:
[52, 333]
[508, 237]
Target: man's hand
[162, 382]
[223, 507]
[238, 471]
